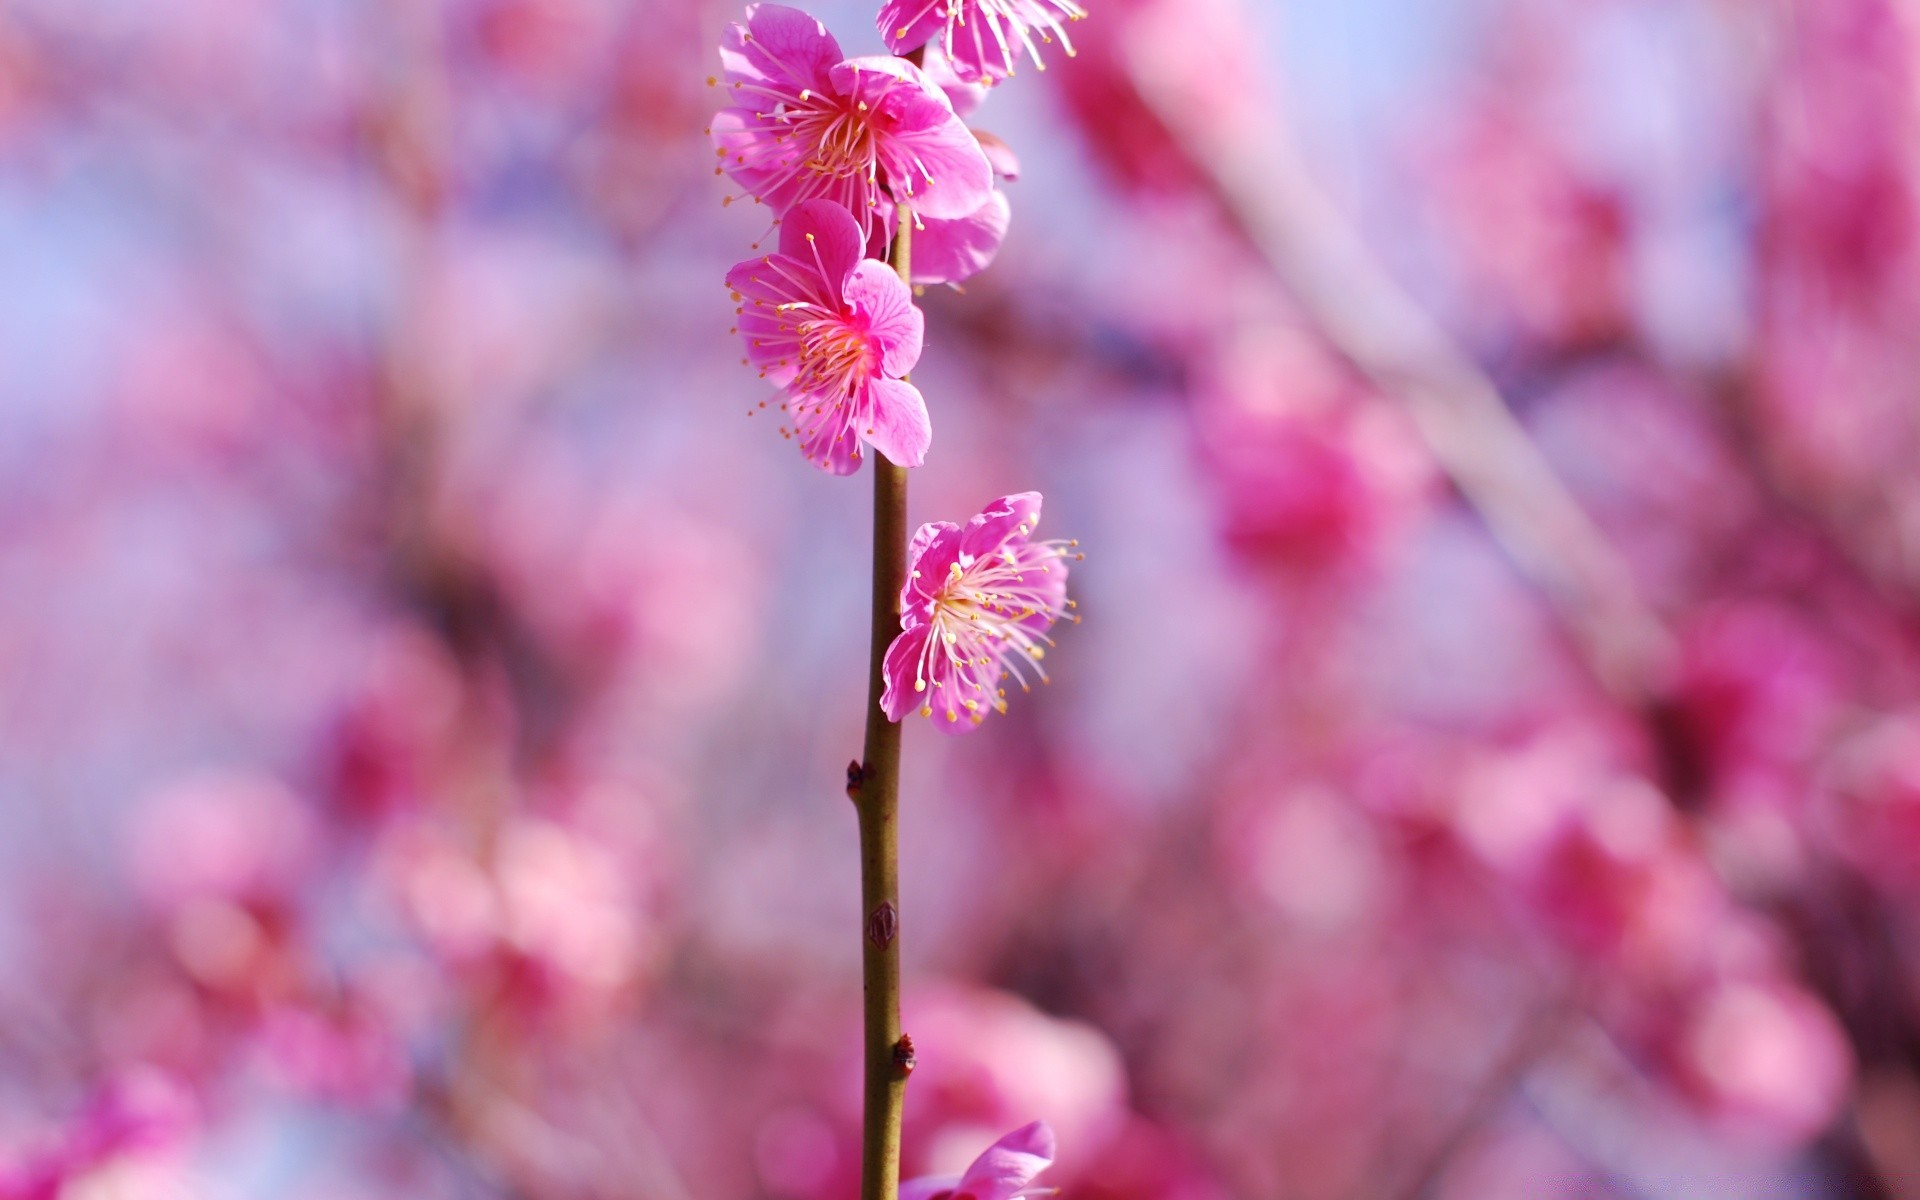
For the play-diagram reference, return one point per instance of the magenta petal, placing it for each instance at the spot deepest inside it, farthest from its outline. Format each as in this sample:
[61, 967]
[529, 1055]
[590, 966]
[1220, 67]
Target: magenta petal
[837, 244]
[909, 24]
[954, 251]
[898, 426]
[930, 556]
[938, 164]
[899, 670]
[1000, 522]
[780, 45]
[1010, 1164]
[884, 304]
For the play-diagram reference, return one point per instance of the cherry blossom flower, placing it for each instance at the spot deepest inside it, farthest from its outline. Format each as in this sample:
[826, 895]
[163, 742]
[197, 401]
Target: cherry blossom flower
[975, 609]
[837, 332]
[983, 38]
[1003, 1171]
[863, 132]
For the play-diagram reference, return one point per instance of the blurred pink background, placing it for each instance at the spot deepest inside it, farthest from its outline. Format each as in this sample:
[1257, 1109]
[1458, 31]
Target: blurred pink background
[1489, 766]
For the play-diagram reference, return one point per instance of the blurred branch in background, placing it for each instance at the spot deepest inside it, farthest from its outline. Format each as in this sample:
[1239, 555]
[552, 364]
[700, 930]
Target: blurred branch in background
[1357, 307]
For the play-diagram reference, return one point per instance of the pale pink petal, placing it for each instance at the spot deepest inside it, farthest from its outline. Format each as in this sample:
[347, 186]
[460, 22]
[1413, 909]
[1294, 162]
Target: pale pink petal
[824, 235]
[1008, 518]
[885, 306]
[1010, 1164]
[899, 427]
[957, 250]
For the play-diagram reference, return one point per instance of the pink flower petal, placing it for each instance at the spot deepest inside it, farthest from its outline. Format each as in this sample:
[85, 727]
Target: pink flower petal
[1000, 521]
[780, 44]
[899, 428]
[910, 24]
[940, 166]
[878, 297]
[957, 250]
[1010, 1164]
[899, 669]
[930, 556]
[837, 242]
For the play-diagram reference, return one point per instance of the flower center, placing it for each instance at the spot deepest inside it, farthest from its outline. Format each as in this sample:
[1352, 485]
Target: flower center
[834, 356]
[840, 136]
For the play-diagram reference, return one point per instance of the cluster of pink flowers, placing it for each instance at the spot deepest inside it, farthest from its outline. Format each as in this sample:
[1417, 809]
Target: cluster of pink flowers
[842, 150]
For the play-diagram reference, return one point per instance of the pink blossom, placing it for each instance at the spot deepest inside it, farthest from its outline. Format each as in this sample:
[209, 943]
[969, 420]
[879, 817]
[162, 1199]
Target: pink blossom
[1002, 1172]
[983, 38]
[837, 331]
[976, 608]
[862, 132]
[957, 249]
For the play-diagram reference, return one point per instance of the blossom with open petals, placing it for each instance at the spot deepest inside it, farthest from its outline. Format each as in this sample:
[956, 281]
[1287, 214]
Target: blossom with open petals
[836, 331]
[976, 608]
[1004, 1171]
[983, 38]
[864, 132]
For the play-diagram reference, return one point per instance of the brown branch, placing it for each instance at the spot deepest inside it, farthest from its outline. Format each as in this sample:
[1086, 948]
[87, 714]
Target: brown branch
[1370, 320]
[874, 786]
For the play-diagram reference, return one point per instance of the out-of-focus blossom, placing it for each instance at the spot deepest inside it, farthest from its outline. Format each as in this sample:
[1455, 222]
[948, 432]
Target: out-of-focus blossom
[221, 833]
[975, 610]
[863, 132]
[348, 1056]
[987, 1059]
[837, 331]
[551, 903]
[1766, 1058]
[1545, 248]
[125, 1142]
[982, 38]
[1004, 1170]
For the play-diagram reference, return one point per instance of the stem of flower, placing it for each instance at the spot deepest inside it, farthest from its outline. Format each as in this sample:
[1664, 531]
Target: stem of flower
[875, 788]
